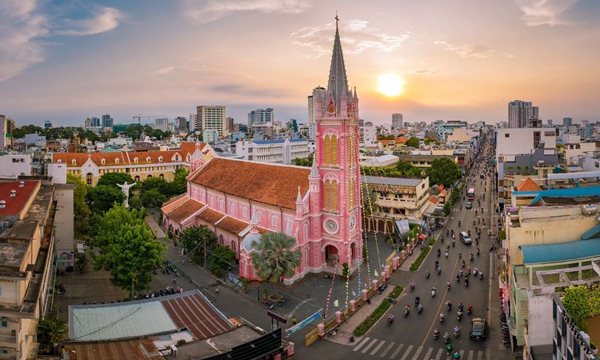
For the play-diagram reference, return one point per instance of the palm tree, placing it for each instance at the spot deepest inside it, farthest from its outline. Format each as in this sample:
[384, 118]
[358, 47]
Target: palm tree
[273, 257]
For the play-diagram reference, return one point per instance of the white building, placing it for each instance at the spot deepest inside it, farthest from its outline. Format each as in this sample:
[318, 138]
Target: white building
[161, 124]
[368, 135]
[212, 117]
[520, 113]
[575, 151]
[14, 165]
[397, 121]
[210, 136]
[261, 116]
[273, 151]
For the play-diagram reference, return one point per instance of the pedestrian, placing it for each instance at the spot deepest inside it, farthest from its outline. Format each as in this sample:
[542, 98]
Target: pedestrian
[294, 320]
[217, 290]
[174, 280]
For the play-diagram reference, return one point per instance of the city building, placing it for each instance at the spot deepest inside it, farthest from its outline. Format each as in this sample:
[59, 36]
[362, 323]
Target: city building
[181, 125]
[7, 126]
[47, 124]
[140, 165]
[34, 140]
[520, 112]
[210, 136]
[107, 121]
[396, 199]
[281, 151]
[195, 124]
[319, 206]
[230, 125]
[15, 165]
[317, 93]
[448, 127]
[424, 161]
[574, 151]
[27, 214]
[550, 123]
[567, 121]
[261, 116]
[264, 129]
[211, 117]
[368, 135]
[161, 124]
[397, 121]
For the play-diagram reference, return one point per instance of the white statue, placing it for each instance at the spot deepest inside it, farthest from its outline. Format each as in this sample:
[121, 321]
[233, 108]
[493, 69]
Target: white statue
[125, 187]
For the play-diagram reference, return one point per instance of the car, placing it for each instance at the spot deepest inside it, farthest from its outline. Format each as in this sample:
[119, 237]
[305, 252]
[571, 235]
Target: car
[479, 329]
[469, 205]
[465, 238]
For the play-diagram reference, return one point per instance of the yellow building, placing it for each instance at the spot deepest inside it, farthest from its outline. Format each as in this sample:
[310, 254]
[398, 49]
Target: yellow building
[141, 165]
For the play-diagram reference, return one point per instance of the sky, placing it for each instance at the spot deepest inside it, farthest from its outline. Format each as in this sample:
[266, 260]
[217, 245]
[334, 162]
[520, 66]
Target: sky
[65, 60]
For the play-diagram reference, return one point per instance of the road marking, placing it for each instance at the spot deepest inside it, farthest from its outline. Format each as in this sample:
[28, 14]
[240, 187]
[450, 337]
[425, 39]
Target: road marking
[470, 355]
[480, 355]
[417, 353]
[439, 354]
[393, 356]
[369, 346]
[361, 344]
[407, 352]
[376, 349]
[428, 353]
[387, 349]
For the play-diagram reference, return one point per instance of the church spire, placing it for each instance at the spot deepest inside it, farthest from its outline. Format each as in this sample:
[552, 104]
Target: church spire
[338, 83]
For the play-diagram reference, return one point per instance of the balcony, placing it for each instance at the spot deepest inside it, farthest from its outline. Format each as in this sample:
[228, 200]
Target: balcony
[8, 339]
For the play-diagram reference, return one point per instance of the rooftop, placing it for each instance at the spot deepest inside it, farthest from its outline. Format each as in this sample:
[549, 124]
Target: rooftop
[136, 349]
[560, 252]
[189, 310]
[563, 196]
[22, 192]
[380, 180]
[271, 184]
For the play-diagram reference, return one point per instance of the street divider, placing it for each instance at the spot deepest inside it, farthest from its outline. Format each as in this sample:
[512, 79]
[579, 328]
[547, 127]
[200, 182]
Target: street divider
[386, 303]
[415, 266]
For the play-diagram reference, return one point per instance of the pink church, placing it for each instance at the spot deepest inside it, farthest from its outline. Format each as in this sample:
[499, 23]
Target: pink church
[319, 206]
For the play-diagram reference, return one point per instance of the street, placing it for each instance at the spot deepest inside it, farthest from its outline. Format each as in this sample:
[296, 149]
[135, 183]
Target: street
[411, 337]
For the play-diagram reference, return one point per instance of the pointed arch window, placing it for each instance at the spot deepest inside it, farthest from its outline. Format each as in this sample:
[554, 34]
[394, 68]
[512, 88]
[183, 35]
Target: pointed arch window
[333, 160]
[351, 192]
[326, 146]
[331, 195]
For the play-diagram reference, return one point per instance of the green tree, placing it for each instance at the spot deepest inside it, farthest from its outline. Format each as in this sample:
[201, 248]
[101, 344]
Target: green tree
[51, 332]
[131, 257]
[576, 301]
[444, 171]
[152, 198]
[199, 241]
[155, 183]
[111, 222]
[220, 260]
[413, 142]
[273, 257]
[179, 184]
[81, 209]
[102, 197]
[369, 201]
[304, 161]
[112, 179]
[428, 141]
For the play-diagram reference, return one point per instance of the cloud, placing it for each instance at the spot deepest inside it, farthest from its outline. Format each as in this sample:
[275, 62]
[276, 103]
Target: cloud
[21, 30]
[358, 36]
[104, 19]
[204, 11]
[544, 12]
[467, 50]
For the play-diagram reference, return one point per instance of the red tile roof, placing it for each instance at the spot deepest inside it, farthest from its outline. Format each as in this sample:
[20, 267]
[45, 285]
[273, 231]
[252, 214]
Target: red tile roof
[15, 205]
[271, 184]
[136, 349]
[185, 209]
[197, 315]
[126, 157]
[232, 225]
[210, 216]
[528, 185]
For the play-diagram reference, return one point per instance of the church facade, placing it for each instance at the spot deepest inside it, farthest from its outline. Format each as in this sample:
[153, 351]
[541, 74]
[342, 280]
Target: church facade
[319, 206]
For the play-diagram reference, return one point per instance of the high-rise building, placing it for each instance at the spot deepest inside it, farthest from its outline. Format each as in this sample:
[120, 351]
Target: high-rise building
[260, 116]
[194, 123]
[181, 124]
[212, 117]
[96, 122]
[397, 122]
[107, 121]
[318, 92]
[550, 123]
[161, 124]
[520, 113]
[47, 124]
[7, 126]
[230, 124]
[567, 121]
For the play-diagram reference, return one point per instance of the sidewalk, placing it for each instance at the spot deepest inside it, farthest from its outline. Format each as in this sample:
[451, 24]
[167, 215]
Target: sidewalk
[345, 330]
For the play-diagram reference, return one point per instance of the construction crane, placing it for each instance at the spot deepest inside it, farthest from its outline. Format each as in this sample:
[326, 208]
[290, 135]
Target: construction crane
[139, 117]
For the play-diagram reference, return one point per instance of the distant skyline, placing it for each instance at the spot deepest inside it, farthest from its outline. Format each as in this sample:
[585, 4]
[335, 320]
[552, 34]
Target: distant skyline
[65, 60]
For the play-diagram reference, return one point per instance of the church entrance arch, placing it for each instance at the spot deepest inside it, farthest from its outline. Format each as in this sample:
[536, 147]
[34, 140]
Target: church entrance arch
[353, 251]
[332, 256]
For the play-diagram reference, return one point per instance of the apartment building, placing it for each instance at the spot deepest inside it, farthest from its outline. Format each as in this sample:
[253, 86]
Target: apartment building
[282, 151]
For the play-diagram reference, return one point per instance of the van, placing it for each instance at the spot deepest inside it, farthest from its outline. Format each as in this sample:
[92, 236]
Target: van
[465, 238]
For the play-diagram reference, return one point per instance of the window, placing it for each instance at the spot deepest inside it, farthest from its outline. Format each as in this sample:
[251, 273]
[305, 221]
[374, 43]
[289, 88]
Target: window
[3, 324]
[273, 220]
[135, 160]
[148, 159]
[103, 161]
[88, 178]
[59, 161]
[74, 162]
[331, 195]
[506, 135]
[116, 160]
[160, 159]
[161, 176]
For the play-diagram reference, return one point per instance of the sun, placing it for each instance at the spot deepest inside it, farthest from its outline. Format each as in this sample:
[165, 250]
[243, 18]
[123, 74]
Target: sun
[390, 84]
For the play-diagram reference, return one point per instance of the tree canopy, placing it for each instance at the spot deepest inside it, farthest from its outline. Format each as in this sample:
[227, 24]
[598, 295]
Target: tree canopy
[304, 161]
[102, 197]
[273, 257]
[199, 240]
[112, 179]
[81, 209]
[128, 249]
[413, 142]
[221, 258]
[444, 171]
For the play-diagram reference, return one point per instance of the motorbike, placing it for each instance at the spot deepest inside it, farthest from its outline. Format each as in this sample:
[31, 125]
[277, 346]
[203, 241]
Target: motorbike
[480, 276]
[439, 271]
[406, 311]
[390, 320]
[466, 282]
[433, 291]
[412, 286]
[471, 257]
[436, 334]
[442, 318]
[459, 315]
[446, 253]
[449, 306]
[427, 274]
[420, 308]
[456, 333]
[469, 309]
